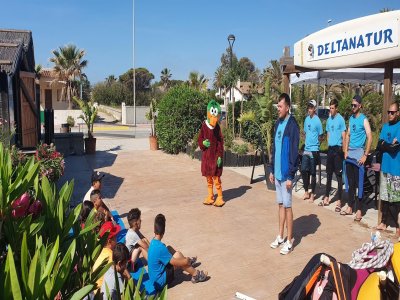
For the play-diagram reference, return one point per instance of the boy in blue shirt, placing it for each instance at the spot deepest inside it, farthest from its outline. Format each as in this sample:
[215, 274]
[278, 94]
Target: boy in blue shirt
[163, 261]
[313, 133]
[336, 133]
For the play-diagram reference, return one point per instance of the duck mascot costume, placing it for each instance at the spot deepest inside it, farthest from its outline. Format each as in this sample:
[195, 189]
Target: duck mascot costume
[211, 143]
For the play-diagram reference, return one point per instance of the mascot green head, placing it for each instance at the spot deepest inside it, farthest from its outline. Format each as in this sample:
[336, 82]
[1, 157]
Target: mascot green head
[213, 112]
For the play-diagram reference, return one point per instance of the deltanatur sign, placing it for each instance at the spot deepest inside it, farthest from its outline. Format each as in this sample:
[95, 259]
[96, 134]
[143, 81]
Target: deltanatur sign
[359, 42]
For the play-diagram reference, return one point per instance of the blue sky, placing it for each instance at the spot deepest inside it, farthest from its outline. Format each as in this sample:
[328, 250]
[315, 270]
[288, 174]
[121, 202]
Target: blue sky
[182, 35]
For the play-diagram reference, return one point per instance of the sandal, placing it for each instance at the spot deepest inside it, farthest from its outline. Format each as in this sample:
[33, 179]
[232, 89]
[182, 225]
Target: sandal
[338, 208]
[345, 213]
[192, 260]
[357, 219]
[199, 277]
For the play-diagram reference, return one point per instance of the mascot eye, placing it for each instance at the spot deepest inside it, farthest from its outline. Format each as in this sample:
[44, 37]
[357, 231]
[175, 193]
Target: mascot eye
[214, 111]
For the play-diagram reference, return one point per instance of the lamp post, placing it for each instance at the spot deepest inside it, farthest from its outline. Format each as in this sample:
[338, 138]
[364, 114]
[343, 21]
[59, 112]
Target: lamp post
[231, 41]
[134, 71]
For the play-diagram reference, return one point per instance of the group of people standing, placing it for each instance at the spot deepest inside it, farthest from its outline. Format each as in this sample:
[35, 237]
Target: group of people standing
[348, 149]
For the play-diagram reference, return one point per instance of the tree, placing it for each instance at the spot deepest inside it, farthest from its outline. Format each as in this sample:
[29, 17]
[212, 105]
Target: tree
[165, 78]
[111, 79]
[143, 79]
[68, 66]
[275, 74]
[197, 81]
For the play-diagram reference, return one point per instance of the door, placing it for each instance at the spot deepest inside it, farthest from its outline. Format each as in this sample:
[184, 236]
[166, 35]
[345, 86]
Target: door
[48, 99]
[29, 111]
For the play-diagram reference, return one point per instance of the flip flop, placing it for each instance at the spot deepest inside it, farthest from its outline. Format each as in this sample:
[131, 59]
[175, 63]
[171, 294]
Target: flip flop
[323, 204]
[345, 213]
[338, 209]
[357, 219]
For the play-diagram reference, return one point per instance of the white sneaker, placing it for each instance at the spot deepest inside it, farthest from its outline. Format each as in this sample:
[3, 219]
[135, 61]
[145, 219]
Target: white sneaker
[287, 248]
[278, 242]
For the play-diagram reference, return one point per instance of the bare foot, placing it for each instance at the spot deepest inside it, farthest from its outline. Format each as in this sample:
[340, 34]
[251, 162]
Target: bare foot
[326, 201]
[306, 195]
[312, 196]
[381, 226]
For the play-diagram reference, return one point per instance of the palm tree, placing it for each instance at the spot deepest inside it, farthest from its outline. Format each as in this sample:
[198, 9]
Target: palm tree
[110, 80]
[165, 78]
[197, 81]
[274, 72]
[68, 65]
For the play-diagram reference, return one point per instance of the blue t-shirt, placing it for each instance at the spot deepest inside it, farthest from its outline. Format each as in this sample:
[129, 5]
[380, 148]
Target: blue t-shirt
[390, 162]
[357, 132]
[335, 126]
[278, 147]
[158, 258]
[313, 129]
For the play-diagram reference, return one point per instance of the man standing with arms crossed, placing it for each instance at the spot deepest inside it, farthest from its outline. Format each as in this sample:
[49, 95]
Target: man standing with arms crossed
[357, 146]
[336, 131]
[284, 163]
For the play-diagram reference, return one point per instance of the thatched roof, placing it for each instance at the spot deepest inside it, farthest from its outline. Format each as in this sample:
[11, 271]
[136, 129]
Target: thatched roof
[16, 51]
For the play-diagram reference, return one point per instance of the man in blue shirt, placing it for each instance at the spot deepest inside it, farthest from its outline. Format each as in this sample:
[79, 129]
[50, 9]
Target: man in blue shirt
[162, 261]
[356, 150]
[284, 163]
[389, 145]
[313, 133]
[336, 133]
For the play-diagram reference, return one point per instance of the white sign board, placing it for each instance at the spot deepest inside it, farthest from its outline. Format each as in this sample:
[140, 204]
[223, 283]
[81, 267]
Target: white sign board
[359, 42]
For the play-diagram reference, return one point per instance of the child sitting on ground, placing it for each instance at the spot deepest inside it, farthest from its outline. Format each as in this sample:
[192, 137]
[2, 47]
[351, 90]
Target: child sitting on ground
[96, 184]
[162, 261]
[135, 241]
[87, 207]
[120, 257]
[99, 205]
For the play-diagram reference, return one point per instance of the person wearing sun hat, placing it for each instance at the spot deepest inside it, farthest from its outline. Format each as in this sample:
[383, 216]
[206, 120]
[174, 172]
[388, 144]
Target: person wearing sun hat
[96, 184]
[107, 252]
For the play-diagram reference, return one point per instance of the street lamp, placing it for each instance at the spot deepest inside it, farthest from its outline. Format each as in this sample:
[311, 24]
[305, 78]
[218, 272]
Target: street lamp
[231, 41]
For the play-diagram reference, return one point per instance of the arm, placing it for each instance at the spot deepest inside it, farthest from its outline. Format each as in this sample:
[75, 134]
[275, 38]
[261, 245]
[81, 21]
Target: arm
[369, 141]
[346, 143]
[272, 158]
[294, 153]
[201, 139]
[143, 243]
[343, 139]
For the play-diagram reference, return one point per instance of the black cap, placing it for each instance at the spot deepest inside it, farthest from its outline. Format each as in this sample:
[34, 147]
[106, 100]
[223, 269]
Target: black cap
[97, 176]
[357, 98]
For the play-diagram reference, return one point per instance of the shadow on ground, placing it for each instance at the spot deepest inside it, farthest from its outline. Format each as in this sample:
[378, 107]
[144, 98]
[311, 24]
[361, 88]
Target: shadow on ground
[304, 226]
[102, 159]
[110, 186]
[235, 192]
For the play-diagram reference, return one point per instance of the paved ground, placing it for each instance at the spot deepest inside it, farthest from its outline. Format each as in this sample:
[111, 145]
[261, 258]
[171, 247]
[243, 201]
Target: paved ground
[232, 243]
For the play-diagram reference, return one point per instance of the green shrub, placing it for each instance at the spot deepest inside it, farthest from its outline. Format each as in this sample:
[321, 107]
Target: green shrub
[180, 114]
[228, 138]
[71, 121]
[240, 149]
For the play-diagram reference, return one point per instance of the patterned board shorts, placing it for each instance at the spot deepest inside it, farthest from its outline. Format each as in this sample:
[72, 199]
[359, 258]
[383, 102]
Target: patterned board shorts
[389, 187]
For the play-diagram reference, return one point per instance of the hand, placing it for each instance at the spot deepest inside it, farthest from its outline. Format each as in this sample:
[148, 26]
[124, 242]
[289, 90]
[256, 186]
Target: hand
[219, 162]
[394, 141]
[345, 154]
[271, 178]
[288, 184]
[362, 160]
[206, 143]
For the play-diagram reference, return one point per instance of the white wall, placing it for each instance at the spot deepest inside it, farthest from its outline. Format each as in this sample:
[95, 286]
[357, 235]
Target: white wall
[127, 116]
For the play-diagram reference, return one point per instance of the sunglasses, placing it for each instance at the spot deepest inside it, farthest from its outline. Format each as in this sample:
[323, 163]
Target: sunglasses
[354, 105]
[392, 112]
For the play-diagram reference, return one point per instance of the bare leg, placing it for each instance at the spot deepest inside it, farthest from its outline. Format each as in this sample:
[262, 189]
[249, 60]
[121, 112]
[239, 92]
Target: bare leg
[135, 255]
[143, 252]
[282, 218]
[188, 268]
[289, 223]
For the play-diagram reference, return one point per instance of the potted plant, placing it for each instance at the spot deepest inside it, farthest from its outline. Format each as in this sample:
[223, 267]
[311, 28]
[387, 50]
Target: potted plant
[89, 113]
[152, 116]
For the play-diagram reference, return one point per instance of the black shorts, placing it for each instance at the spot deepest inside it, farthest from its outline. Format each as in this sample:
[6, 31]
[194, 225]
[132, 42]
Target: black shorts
[169, 269]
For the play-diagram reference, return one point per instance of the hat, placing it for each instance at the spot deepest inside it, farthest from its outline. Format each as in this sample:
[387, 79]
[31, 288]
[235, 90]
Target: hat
[312, 102]
[97, 176]
[111, 228]
[357, 98]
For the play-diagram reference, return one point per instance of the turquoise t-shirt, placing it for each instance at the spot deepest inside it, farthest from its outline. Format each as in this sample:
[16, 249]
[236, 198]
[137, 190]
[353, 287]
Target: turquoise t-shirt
[313, 129]
[358, 135]
[158, 258]
[278, 147]
[335, 126]
[390, 162]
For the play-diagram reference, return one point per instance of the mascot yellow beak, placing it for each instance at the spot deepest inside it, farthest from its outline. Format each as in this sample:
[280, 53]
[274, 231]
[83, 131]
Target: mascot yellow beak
[212, 120]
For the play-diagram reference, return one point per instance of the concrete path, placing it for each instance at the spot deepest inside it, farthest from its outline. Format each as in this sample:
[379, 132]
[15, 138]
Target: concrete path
[232, 243]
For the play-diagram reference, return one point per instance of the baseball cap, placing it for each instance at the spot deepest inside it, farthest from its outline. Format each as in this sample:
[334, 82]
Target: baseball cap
[111, 228]
[312, 102]
[357, 98]
[97, 176]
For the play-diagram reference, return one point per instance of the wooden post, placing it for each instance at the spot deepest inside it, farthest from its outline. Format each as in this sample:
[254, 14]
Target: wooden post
[387, 90]
[286, 83]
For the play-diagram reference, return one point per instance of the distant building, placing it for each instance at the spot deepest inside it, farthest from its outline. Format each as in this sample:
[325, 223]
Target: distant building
[52, 94]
